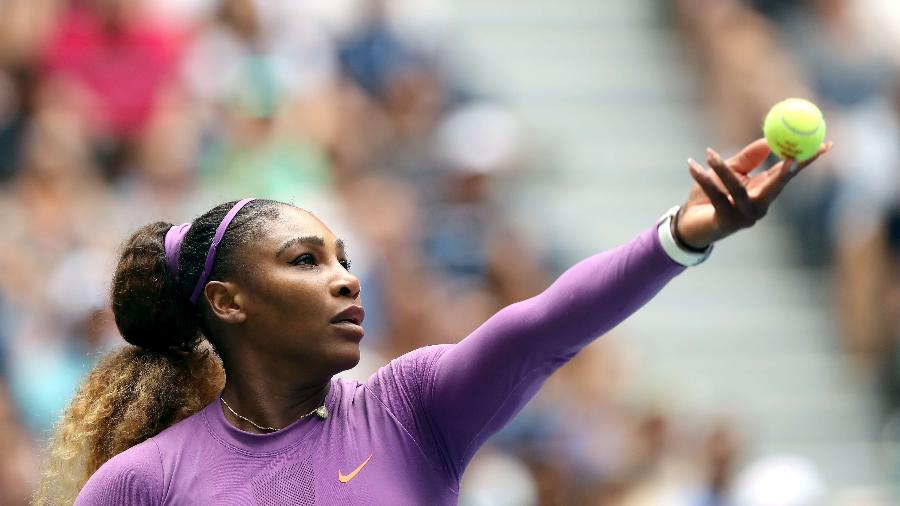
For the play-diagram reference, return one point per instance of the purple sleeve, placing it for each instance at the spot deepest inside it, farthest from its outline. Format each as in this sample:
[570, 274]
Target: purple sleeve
[479, 384]
[131, 478]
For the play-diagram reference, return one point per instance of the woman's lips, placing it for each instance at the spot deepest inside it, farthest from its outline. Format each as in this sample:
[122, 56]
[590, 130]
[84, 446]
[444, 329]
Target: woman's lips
[350, 329]
[349, 320]
[353, 314]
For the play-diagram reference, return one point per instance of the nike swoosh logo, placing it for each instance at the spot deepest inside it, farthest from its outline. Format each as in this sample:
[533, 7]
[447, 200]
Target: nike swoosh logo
[345, 478]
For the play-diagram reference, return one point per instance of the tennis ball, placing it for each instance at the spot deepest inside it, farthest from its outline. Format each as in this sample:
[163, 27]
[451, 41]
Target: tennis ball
[794, 128]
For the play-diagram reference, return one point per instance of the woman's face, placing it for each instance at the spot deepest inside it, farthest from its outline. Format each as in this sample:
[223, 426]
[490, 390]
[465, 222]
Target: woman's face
[301, 301]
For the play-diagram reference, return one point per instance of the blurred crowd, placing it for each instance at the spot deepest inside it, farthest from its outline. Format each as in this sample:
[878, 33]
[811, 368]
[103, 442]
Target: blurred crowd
[115, 113]
[844, 55]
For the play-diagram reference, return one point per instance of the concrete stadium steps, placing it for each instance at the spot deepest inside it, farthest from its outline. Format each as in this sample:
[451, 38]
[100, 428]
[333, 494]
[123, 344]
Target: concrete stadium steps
[636, 158]
[603, 214]
[615, 115]
[676, 329]
[860, 464]
[598, 13]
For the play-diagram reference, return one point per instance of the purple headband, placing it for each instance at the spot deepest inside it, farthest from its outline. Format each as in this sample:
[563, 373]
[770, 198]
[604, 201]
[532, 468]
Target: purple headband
[175, 236]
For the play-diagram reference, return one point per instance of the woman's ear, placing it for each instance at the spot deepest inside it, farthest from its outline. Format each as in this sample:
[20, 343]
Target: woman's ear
[225, 301]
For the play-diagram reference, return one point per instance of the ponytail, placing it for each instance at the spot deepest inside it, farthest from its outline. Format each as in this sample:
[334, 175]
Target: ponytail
[131, 395]
[166, 374]
[168, 371]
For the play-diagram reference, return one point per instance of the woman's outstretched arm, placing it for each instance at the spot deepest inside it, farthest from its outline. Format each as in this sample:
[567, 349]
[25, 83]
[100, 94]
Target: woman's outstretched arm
[479, 384]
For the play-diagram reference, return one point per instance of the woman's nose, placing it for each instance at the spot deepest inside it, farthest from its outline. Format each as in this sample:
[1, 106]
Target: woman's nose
[347, 286]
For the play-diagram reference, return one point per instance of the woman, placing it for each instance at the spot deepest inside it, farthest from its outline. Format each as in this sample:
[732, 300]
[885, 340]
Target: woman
[268, 287]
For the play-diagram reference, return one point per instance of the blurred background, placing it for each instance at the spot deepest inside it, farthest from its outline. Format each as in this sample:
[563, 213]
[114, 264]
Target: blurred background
[469, 151]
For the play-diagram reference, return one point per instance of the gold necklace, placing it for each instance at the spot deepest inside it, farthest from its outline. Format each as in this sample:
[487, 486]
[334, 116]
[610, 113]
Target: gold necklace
[321, 412]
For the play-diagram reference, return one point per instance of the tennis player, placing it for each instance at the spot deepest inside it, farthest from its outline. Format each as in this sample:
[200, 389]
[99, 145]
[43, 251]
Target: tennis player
[268, 287]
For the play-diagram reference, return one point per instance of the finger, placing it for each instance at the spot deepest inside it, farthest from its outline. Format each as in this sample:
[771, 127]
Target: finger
[738, 192]
[771, 187]
[779, 176]
[717, 196]
[750, 157]
[824, 148]
[711, 175]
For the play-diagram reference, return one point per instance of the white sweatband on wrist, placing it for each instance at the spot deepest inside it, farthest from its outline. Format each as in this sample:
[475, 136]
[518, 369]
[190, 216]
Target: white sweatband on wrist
[670, 245]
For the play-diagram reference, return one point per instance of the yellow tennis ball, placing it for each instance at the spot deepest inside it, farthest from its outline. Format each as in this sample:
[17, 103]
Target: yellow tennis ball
[794, 128]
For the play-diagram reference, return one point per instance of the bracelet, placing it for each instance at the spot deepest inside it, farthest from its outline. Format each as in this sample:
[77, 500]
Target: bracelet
[675, 248]
[678, 240]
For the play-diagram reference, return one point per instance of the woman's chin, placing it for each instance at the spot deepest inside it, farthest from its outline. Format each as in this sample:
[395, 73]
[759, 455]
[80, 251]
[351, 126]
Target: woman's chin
[346, 356]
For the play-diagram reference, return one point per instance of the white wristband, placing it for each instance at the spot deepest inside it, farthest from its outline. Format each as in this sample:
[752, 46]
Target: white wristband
[670, 245]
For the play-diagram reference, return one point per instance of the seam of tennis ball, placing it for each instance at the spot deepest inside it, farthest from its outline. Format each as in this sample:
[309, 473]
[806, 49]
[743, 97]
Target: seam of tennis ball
[800, 132]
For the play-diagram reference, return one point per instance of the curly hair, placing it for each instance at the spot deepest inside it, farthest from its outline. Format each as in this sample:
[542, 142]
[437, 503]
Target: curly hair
[169, 370]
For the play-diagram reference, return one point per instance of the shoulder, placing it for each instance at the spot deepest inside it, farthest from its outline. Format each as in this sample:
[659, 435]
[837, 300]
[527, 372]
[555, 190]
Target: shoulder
[410, 368]
[176, 437]
[404, 383]
[420, 357]
[133, 477]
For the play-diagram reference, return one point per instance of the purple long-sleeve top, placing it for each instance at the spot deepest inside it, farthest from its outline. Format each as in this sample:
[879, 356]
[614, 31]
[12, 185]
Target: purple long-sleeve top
[406, 435]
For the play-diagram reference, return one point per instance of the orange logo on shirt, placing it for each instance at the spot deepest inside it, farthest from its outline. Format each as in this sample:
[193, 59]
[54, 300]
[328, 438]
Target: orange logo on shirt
[345, 478]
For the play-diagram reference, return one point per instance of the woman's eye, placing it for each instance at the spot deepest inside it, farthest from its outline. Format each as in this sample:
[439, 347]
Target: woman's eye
[304, 259]
[309, 259]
